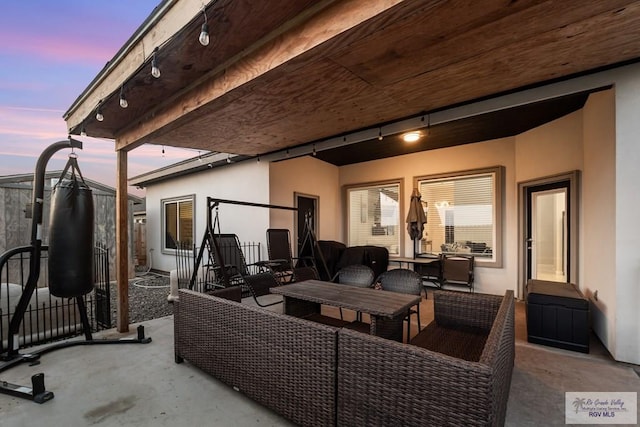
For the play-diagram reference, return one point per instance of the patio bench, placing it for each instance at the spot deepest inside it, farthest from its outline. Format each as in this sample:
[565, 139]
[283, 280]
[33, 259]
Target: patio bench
[456, 372]
[283, 362]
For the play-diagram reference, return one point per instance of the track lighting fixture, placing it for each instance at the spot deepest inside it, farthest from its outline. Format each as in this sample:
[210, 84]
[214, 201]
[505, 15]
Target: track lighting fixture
[155, 71]
[123, 101]
[204, 32]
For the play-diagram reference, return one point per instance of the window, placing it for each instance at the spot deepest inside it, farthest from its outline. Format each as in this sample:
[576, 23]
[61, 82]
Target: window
[374, 216]
[464, 213]
[177, 222]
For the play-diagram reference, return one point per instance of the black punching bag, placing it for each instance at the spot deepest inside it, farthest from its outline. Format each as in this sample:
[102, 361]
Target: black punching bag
[71, 236]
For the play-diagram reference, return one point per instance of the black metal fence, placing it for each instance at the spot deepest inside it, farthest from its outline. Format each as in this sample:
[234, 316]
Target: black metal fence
[49, 318]
[186, 254]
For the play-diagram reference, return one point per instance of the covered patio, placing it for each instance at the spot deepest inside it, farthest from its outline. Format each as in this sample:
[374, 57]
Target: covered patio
[288, 79]
[143, 386]
[319, 83]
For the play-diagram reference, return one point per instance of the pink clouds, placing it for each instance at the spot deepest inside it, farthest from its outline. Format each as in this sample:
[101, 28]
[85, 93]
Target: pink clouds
[57, 48]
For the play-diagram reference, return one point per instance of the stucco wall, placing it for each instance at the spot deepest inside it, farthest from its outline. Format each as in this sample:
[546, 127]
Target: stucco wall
[598, 249]
[311, 177]
[247, 181]
[627, 206]
[499, 152]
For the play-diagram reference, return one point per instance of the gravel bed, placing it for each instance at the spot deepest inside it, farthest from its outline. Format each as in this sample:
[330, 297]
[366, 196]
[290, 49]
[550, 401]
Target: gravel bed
[147, 298]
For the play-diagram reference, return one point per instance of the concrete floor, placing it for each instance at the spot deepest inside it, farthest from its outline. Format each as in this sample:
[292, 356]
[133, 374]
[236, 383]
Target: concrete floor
[139, 384]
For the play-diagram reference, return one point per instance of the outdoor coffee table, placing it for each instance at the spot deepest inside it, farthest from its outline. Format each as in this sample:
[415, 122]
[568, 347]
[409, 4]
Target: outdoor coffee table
[386, 309]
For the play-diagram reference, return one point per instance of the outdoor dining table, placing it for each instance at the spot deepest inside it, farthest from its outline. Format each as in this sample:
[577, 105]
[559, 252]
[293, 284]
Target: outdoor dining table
[386, 309]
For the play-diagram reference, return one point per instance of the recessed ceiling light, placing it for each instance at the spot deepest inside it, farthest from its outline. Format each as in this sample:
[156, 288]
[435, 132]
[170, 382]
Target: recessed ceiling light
[411, 136]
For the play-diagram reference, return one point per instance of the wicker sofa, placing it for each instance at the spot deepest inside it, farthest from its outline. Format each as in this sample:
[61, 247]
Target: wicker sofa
[382, 382]
[283, 362]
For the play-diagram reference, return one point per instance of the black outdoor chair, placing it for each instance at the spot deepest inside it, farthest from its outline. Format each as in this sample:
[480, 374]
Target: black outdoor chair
[281, 262]
[458, 270]
[259, 285]
[228, 264]
[432, 272]
[354, 275]
[404, 281]
[301, 274]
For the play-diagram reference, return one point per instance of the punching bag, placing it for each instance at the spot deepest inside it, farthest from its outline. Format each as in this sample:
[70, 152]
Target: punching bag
[71, 235]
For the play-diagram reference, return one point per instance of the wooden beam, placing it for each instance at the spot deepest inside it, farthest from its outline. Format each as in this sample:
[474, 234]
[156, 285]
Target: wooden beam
[329, 23]
[122, 241]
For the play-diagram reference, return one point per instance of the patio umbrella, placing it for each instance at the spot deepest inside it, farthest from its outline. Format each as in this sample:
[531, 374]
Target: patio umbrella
[416, 219]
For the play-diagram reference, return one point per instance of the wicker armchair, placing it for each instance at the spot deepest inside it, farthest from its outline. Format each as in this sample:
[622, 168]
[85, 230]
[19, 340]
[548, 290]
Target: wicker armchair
[418, 386]
[404, 281]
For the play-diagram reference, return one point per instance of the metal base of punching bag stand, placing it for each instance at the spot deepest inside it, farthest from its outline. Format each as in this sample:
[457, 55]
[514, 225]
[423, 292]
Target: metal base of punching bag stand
[37, 392]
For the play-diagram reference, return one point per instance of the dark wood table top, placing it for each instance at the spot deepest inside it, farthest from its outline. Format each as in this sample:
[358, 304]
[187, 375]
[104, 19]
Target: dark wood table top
[367, 300]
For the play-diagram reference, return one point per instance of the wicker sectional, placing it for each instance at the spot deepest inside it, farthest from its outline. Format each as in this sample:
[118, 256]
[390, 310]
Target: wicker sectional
[382, 382]
[317, 375]
[283, 362]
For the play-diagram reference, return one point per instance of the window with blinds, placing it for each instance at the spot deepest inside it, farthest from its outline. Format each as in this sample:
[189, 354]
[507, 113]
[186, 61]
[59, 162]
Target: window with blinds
[178, 222]
[463, 213]
[374, 216]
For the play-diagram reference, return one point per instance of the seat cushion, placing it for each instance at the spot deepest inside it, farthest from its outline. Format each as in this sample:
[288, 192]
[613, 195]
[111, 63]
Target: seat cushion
[460, 342]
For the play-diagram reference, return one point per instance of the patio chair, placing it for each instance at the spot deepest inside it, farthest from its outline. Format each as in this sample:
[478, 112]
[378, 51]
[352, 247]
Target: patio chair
[354, 275]
[281, 262]
[457, 270]
[228, 263]
[301, 274]
[404, 281]
[432, 272]
[260, 285]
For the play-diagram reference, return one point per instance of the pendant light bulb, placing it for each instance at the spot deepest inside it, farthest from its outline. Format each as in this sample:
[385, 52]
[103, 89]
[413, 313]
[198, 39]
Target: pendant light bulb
[204, 35]
[99, 116]
[123, 101]
[155, 71]
[83, 131]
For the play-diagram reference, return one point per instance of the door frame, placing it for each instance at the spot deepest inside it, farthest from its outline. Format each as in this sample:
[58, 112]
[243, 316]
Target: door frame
[316, 224]
[572, 224]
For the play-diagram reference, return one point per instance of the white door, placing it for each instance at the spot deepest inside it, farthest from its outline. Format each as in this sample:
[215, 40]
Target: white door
[549, 235]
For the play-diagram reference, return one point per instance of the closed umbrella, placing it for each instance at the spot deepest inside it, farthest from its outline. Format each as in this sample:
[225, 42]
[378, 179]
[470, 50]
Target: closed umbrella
[416, 219]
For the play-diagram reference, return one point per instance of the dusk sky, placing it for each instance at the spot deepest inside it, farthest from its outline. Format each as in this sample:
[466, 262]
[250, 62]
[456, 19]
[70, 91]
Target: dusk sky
[49, 53]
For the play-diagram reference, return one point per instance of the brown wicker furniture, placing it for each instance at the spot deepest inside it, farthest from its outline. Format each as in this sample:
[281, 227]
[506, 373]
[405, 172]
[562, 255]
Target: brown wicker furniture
[283, 362]
[387, 309]
[381, 382]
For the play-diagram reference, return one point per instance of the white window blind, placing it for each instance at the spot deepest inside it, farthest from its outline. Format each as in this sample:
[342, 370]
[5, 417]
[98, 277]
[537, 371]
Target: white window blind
[461, 213]
[178, 222]
[374, 216]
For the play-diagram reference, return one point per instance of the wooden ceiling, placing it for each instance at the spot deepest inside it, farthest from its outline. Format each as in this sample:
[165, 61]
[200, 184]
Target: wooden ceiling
[283, 73]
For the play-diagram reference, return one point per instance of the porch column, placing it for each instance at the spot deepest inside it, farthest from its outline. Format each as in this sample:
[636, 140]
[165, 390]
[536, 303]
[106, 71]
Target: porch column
[122, 242]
